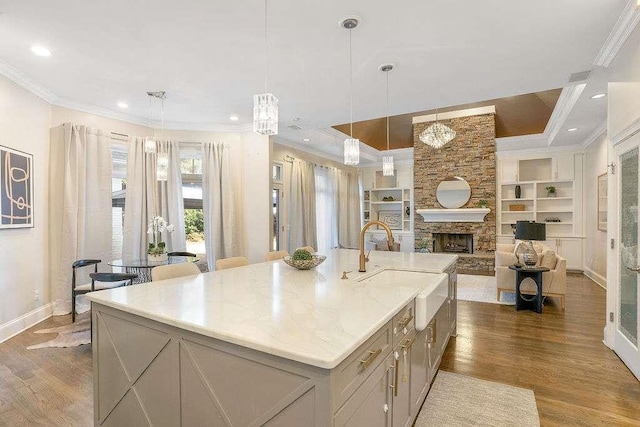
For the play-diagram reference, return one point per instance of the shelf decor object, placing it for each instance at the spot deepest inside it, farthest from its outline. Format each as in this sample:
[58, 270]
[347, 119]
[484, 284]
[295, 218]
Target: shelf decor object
[437, 135]
[529, 231]
[16, 192]
[392, 218]
[517, 207]
[265, 106]
[387, 161]
[518, 191]
[351, 144]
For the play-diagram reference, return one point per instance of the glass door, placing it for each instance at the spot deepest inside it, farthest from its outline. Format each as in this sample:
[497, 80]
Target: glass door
[627, 325]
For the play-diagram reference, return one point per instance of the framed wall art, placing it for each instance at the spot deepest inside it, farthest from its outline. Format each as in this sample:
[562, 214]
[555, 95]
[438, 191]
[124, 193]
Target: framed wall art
[16, 188]
[602, 202]
[392, 218]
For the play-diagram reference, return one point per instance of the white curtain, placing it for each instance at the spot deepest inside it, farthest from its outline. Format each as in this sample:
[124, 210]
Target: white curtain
[80, 218]
[327, 212]
[170, 197]
[349, 219]
[221, 217]
[302, 206]
[140, 199]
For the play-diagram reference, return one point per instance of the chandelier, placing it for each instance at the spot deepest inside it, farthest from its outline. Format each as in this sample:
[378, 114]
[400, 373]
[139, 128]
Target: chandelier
[387, 161]
[351, 144]
[265, 106]
[437, 135]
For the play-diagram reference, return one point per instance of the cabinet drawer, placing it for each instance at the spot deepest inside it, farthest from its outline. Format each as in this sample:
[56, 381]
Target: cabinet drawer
[403, 322]
[349, 374]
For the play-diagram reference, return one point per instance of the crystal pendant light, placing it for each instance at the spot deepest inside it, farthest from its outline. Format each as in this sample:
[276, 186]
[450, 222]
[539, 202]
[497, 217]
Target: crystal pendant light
[437, 135]
[162, 166]
[351, 144]
[265, 106]
[149, 145]
[387, 161]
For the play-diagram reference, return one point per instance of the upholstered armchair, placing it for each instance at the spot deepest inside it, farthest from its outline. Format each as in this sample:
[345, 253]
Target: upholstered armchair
[554, 282]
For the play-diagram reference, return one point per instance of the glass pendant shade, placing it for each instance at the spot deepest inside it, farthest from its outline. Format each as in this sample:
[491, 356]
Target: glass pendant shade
[162, 166]
[387, 166]
[265, 114]
[149, 145]
[351, 151]
[437, 135]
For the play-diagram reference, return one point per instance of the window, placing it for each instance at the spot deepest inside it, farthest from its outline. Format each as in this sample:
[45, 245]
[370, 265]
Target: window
[191, 169]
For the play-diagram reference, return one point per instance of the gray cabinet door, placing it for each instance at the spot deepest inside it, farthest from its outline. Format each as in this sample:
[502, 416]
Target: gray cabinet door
[371, 404]
[419, 370]
[402, 382]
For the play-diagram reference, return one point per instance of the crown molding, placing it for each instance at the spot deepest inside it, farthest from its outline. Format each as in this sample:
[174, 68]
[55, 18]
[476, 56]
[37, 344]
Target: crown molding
[538, 150]
[626, 133]
[490, 109]
[26, 82]
[567, 100]
[619, 34]
[306, 149]
[595, 135]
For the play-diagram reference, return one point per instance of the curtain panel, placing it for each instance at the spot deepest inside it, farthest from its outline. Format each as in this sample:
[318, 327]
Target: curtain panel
[326, 181]
[302, 206]
[349, 218]
[80, 213]
[221, 216]
[170, 197]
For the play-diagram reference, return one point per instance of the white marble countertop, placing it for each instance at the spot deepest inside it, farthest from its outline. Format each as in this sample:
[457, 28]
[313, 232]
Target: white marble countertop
[310, 316]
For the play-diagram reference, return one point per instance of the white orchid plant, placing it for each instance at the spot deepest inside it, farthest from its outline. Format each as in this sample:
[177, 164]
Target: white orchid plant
[157, 226]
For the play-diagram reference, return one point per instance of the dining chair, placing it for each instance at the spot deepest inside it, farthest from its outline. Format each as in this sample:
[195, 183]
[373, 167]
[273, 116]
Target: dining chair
[275, 255]
[233, 262]
[181, 254]
[170, 271]
[308, 249]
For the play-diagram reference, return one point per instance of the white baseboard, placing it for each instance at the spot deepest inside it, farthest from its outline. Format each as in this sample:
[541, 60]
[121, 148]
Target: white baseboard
[598, 278]
[15, 326]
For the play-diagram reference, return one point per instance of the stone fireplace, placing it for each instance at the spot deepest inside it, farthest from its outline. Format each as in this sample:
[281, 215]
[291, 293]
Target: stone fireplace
[457, 243]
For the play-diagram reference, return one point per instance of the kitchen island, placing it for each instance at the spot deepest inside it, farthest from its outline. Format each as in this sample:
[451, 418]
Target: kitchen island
[267, 344]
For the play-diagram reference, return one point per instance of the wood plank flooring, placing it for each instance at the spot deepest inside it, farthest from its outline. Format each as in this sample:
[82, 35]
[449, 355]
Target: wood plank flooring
[560, 356]
[576, 379]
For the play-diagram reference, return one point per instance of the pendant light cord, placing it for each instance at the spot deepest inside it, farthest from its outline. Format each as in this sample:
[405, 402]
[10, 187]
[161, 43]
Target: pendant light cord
[388, 110]
[350, 86]
[266, 49]
[162, 119]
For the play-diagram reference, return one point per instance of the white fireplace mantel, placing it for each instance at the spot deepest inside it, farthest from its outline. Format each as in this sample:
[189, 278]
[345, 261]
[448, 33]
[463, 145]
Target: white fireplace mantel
[454, 215]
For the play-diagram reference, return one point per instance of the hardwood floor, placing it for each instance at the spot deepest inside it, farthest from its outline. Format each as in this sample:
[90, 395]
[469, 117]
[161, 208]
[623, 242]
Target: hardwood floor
[560, 356]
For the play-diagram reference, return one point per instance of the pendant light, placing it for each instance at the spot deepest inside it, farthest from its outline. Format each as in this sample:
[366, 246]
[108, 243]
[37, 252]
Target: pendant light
[162, 159]
[437, 135]
[387, 161]
[265, 106]
[351, 144]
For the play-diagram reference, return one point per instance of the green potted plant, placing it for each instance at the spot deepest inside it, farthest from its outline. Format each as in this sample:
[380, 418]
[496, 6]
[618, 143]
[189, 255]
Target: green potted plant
[483, 204]
[424, 246]
[551, 191]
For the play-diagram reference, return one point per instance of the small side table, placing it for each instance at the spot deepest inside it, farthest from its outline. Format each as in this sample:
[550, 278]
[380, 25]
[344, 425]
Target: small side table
[534, 302]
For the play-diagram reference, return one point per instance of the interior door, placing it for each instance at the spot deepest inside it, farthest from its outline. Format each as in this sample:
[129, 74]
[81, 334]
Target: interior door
[627, 323]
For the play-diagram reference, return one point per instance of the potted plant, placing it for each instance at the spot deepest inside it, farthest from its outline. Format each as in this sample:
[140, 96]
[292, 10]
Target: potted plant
[551, 191]
[424, 246]
[158, 249]
[483, 204]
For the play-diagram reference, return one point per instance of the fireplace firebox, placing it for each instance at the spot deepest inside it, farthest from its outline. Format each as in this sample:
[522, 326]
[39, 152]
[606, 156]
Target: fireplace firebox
[453, 243]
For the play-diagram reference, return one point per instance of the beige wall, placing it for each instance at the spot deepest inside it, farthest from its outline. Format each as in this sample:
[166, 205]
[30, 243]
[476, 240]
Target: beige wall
[60, 115]
[24, 125]
[595, 254]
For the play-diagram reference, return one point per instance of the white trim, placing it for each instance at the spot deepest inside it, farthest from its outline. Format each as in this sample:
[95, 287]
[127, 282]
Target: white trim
[307, 149]
[454, 215]
[596, 134]
[24, 322]
[26, 82]
[490, 109]
[619, 34]
[626, 133]
[567, 100]
[539, 151]
[598, 278]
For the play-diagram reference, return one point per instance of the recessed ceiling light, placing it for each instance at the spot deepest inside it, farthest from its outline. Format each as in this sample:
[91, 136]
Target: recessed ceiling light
[234, 118]
[599, 95]
[306, 139]
[40, 50]
[572, 129]
[123, 105]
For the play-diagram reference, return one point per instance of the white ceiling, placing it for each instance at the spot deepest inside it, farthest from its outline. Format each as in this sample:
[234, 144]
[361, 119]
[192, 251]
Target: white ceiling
[209, 56]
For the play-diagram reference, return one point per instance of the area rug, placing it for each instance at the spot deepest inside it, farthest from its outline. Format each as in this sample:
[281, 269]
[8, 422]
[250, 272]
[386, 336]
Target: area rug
[72, 335]
[482, 289]
[459, 400]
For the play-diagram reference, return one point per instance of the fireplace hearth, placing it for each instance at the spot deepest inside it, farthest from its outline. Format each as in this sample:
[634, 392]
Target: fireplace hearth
[453, 243]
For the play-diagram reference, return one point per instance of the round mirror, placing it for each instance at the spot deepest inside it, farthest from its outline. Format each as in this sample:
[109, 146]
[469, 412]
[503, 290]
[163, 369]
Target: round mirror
[453, 193]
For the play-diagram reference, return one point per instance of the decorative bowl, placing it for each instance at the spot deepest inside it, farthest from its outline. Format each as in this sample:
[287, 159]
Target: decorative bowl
[305, 264]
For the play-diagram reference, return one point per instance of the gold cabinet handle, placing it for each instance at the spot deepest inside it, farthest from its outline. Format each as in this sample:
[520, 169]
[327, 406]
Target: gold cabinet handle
[405, 321]
[373, 354]
[409, 343]
[396, 368]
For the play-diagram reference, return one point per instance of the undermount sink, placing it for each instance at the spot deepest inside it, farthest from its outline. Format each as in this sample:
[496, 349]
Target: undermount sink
[430, 298]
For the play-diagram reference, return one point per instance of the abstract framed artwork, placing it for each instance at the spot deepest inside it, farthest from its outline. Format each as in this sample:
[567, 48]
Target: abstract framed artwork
[392, 218]
[16, 188]
[602, 202]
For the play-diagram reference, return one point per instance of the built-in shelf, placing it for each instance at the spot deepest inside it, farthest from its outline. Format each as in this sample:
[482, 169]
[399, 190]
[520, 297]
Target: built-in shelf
[517, 200]
[519, 212]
